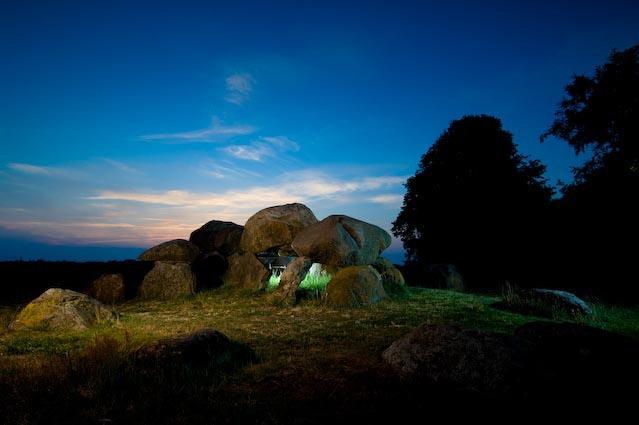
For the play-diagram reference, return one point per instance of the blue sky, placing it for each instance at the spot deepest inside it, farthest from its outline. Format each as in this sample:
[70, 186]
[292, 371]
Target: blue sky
[130, 123]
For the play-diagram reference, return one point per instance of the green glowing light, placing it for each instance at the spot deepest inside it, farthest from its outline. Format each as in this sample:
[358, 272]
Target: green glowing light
[312, 282]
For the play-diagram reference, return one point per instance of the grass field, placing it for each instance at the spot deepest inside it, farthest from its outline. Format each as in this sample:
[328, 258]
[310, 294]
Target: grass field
[309, 353]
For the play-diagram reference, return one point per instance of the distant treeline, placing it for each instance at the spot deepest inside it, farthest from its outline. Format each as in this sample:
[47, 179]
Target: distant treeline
[23, 281]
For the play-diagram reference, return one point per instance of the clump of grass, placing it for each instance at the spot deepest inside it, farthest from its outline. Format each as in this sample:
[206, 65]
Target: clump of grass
[7, 314]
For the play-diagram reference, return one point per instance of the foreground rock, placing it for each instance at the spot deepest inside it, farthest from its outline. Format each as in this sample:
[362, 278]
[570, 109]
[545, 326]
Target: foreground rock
[556, 301]
[168, 280]
[222, 237]
[177, 250]
[291, 278]
[466, 359]
[108, 288]
[275, 227]
[392, 278]
[554, 361]
[342, 241]
[355, 286]
[62, 309]
[247, 272]
[202, 348]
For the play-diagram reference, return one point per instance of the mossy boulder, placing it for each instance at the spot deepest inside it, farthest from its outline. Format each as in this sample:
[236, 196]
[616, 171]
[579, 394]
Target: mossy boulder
[557, 301]
[392, 278]
[62, 309]
[176, 250]
[549, 303]
[274, 228]
[108, 288]
[355, 286]
[341, 241]
[168, 280]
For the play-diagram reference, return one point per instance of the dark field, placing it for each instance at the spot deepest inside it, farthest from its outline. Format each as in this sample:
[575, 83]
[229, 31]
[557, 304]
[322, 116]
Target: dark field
[314, 364]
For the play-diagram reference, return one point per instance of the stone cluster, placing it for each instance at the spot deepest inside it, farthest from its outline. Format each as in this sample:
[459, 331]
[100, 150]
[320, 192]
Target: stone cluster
[225, 252]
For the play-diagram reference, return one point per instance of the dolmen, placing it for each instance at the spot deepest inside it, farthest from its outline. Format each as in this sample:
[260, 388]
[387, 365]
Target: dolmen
[226, 253]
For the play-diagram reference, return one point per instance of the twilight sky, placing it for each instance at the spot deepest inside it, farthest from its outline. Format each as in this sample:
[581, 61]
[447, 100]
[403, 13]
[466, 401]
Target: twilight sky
[127, 125]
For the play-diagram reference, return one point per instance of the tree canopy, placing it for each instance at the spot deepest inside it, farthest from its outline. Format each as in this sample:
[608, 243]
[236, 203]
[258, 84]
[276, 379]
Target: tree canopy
[601, 114]
[474, 200]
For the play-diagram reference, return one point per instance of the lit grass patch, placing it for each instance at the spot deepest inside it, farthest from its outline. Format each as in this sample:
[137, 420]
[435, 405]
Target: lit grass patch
[313, 285]
[273, 282]
[315, 282]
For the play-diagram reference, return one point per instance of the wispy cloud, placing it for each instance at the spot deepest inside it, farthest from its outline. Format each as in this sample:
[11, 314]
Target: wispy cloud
[252, 152]
[239, 88]
[387, 199]
[31, 169]
[227, 170]
[303, 188]
[264, 147]
[39, 170]
[215, 133]
[122, 166]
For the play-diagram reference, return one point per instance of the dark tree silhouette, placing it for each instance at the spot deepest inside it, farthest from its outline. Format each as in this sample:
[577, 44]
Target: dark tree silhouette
[475, 202]
[602, 113]
[596, 220]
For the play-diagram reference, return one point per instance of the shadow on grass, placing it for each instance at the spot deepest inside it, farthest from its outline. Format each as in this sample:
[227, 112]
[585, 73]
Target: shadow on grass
[110, 381]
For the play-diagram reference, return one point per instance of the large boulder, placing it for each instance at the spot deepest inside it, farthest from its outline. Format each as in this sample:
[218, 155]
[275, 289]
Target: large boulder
[168, 280]
[341, 241]
[247, 272]
[392, 278]
[555, 301]
[444, 276]
[177, 250]
[355, 286]
[108, 288]
[62, 309]
[274, 228]
[199, 349]
[465, 359]
[291, 278]
[542, 360]
[218, 236]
